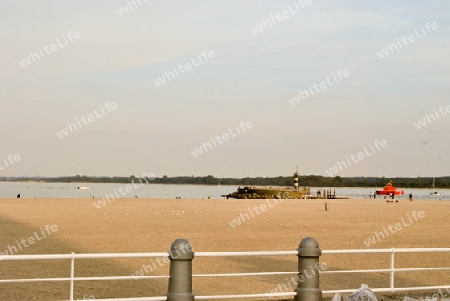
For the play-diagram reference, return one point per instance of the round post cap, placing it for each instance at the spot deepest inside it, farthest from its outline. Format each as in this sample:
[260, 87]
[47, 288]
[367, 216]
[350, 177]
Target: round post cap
[181, 249]
[309, 247]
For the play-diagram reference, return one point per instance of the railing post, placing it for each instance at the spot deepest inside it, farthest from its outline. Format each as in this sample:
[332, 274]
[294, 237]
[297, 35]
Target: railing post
[72, 275]
[308, 271]
[180, 281]
[392, 269]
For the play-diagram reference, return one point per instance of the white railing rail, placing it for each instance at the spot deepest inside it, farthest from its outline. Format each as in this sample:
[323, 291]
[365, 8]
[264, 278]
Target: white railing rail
[391, 270]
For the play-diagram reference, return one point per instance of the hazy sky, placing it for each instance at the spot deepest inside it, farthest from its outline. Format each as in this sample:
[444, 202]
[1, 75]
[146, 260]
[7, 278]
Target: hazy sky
[119, 55]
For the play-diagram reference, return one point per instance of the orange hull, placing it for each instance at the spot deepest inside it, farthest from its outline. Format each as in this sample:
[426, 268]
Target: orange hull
[389, 190]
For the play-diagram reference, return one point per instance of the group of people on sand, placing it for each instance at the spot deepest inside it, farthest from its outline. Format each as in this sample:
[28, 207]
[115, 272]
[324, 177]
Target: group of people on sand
[391, 195]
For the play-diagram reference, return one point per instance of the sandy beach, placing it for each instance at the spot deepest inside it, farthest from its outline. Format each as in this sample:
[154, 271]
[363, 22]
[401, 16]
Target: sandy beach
[151, 225]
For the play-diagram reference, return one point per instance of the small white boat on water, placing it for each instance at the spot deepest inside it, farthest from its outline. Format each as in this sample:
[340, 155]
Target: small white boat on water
[433, 190]
[83, 187]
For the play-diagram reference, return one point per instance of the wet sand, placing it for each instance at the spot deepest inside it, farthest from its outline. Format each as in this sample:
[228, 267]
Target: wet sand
[151, 225]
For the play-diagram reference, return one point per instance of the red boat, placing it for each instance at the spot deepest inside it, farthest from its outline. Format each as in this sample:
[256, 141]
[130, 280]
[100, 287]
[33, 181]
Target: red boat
[389, 190]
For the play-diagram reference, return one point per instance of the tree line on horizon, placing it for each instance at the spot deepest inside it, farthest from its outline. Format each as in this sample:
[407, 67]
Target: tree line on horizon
[309, 181]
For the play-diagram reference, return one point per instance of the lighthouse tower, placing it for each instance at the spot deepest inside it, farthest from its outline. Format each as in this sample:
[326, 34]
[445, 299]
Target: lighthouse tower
[296, 179]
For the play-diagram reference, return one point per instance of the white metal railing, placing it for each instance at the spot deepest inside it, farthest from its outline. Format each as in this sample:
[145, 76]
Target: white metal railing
[391, 270]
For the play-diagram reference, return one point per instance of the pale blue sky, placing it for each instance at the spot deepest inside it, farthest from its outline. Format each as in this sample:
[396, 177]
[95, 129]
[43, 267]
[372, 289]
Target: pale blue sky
[251, 78]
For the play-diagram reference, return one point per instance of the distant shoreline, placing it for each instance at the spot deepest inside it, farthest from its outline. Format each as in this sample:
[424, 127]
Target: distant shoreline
[231, 200]
[308, 181]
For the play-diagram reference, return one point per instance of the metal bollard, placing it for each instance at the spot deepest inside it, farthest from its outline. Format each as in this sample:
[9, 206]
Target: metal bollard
[308, 271]
[180, 281]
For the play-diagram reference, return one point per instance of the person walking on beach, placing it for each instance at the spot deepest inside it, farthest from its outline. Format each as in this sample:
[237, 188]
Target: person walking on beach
[410, 197]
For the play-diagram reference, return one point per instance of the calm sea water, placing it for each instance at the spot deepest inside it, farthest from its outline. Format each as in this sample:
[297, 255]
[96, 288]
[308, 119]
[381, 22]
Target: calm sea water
[98, 190]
